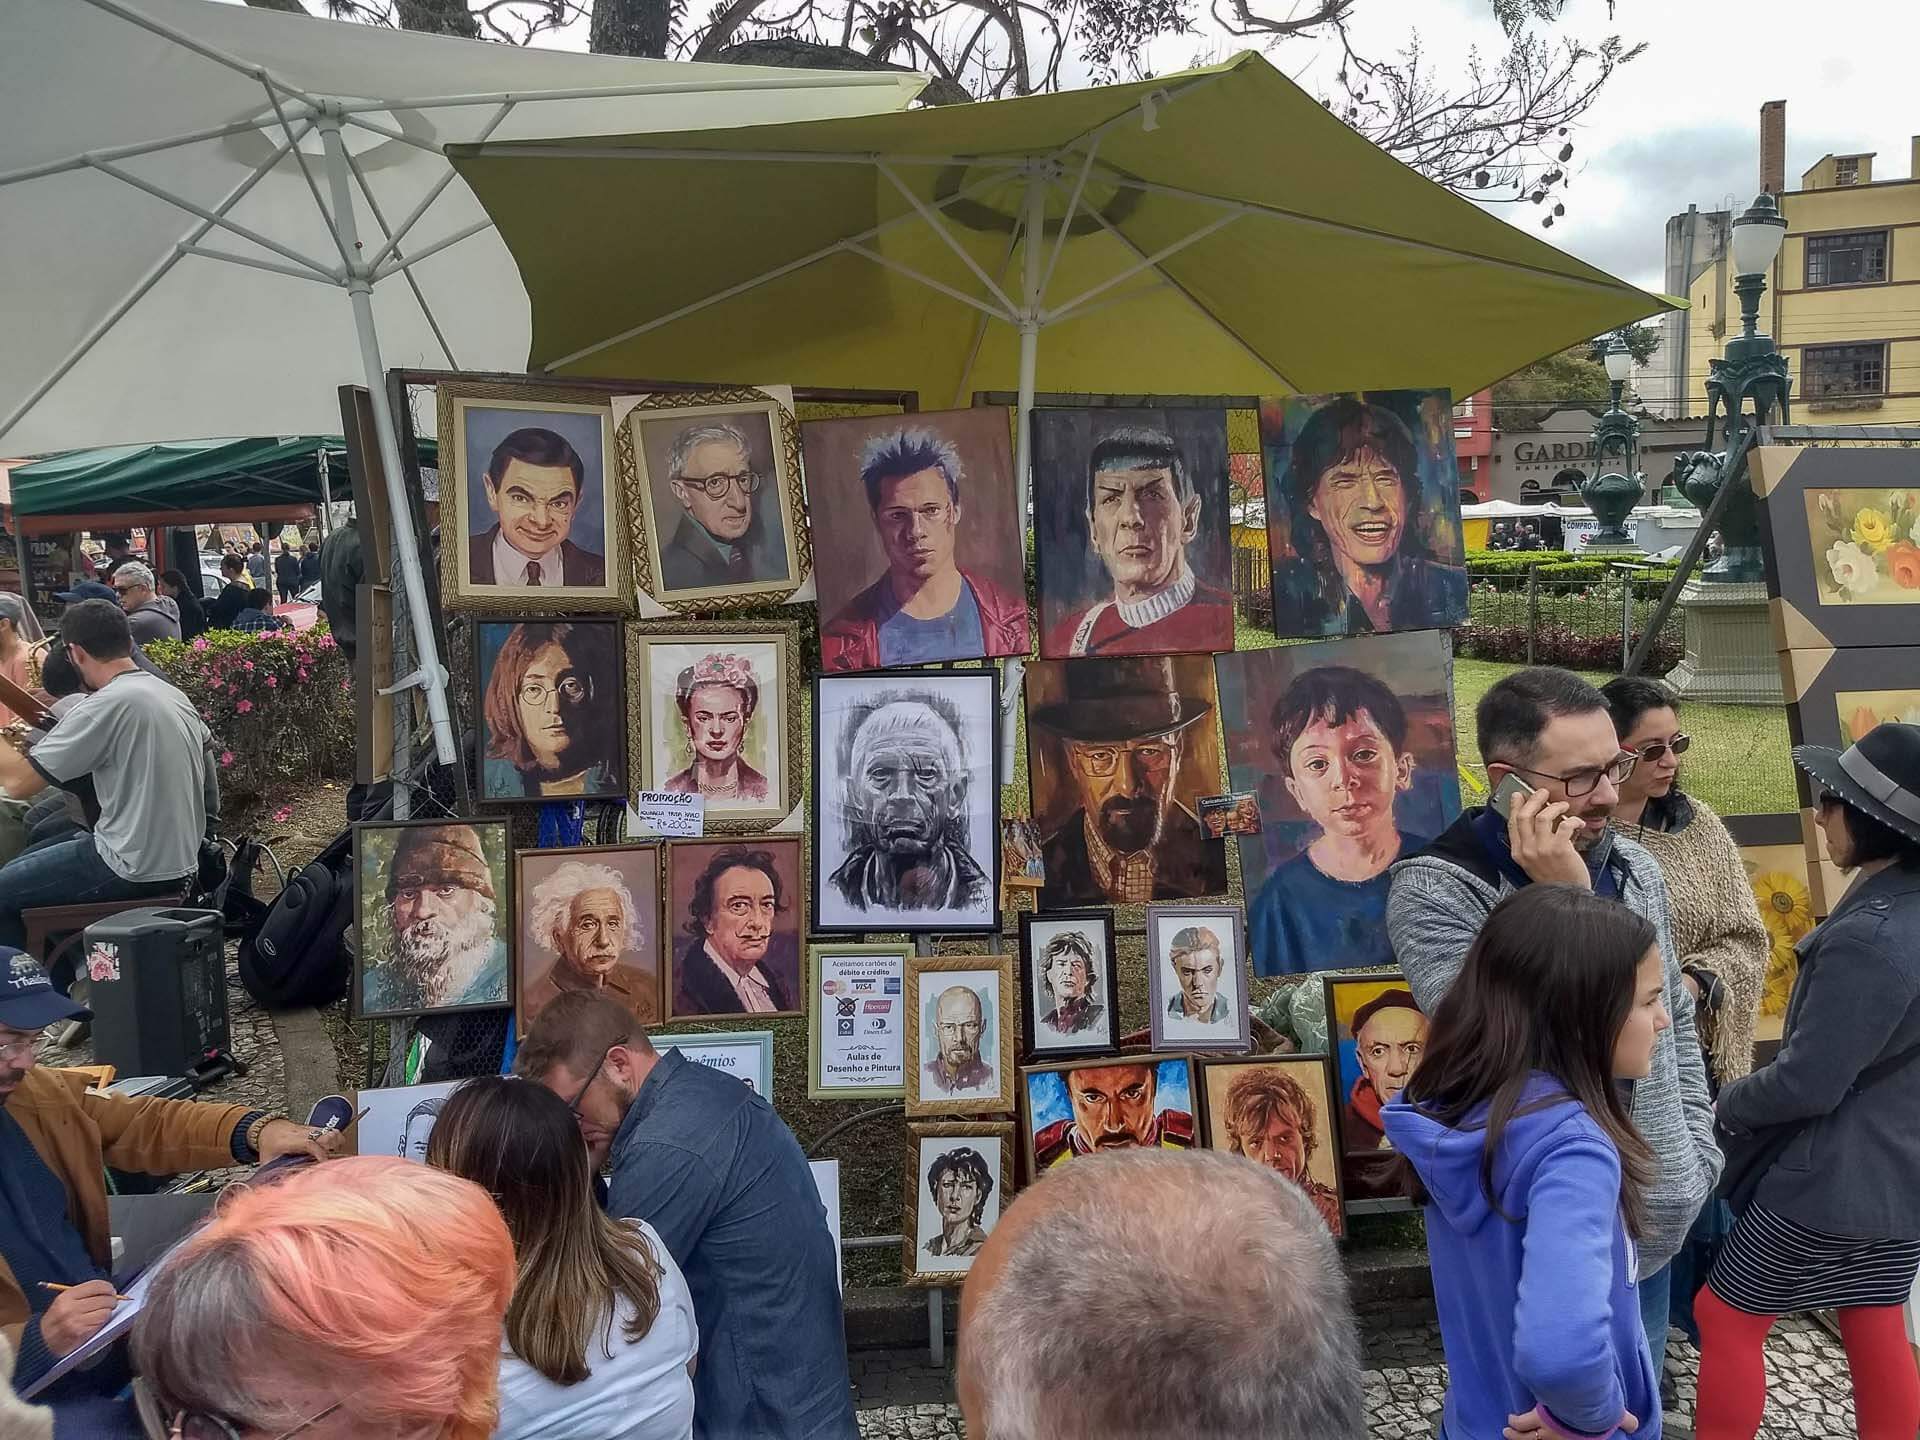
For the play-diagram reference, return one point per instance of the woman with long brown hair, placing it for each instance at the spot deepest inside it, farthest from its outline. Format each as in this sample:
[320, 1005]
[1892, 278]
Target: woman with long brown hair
[1533, 1175]
[600, 1336]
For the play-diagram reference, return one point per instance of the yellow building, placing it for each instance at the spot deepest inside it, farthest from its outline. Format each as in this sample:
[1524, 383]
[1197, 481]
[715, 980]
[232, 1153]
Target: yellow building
[1843, 301]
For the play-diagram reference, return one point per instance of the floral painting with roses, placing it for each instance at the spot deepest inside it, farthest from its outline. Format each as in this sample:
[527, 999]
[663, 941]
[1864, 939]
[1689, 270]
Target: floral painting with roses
[1866, 545]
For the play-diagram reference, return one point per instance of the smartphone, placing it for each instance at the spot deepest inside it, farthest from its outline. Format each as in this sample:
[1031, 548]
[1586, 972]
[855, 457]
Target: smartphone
[1510, 789]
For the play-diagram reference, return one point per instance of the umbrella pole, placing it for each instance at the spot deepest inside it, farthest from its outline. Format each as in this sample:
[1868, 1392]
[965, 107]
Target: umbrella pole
[428, 672]
[1030, 246]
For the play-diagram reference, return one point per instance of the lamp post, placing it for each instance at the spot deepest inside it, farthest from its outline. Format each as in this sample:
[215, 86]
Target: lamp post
[1611, 495]
[1749, 384]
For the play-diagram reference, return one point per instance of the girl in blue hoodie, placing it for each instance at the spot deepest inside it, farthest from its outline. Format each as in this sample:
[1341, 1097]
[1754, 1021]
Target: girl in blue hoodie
[1533, 1173]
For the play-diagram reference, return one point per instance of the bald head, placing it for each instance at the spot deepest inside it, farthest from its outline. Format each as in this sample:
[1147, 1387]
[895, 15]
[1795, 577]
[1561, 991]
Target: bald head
[1217, 1311]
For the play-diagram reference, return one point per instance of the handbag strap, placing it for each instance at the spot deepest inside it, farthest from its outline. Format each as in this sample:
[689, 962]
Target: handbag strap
[1881, 1069]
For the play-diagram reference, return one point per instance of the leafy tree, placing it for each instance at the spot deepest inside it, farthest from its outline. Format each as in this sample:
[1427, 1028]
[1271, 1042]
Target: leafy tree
[1574, 376]
[1499, 131]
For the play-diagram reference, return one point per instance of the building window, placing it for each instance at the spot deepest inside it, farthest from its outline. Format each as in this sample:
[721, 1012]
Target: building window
[1855, 257]
[1846, 170]
[1834, 371]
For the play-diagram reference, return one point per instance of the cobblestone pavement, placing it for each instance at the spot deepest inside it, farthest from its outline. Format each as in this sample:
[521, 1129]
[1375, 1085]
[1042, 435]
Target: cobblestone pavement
[902, 1395]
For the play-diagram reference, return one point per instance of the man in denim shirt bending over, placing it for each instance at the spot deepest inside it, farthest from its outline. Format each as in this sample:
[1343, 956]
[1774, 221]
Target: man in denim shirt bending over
[705, 1161]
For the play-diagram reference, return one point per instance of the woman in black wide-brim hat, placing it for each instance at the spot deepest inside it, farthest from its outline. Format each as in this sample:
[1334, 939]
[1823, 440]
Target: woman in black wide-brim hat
[1834, 1220]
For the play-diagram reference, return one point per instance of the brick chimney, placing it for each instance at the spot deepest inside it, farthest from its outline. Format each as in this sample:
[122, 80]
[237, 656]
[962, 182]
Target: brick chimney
[1773, 147]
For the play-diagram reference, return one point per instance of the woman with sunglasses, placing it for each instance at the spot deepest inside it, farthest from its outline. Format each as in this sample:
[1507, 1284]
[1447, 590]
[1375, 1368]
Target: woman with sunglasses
[357, 1300]
[1829, 1126]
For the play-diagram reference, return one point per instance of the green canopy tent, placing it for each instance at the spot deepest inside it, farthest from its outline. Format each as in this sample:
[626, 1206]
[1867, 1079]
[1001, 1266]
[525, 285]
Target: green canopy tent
[1213, 232]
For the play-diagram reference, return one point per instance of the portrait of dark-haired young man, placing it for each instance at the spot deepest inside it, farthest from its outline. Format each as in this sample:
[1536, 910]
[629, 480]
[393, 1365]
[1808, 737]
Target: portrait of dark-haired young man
[534, 484]
[740, 917]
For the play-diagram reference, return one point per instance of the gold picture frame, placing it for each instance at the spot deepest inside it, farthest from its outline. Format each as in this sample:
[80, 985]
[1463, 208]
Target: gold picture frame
[785, 731]
[913, 1268]
[788, 505]
[994, 1100]
[532, 397]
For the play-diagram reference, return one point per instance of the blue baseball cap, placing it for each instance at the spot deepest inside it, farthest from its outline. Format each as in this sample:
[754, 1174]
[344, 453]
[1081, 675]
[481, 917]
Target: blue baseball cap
[87, 590]
[28, 1000]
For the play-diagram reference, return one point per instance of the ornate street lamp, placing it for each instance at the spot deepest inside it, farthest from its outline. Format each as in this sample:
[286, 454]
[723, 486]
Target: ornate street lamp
[1749, 383]
[1611, 495]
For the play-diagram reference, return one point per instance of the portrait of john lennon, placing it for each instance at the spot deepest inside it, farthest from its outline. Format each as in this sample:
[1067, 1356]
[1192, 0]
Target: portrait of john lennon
[550, 710]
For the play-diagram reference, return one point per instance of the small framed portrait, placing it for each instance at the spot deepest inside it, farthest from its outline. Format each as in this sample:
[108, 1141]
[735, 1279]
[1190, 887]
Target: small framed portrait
[531, 501]
[434, 909]
[718, 522]
[737, 914]
[1197, 978]
[399, 1119]
[1068, 978]
[920, 516]
[960, 1035]
[1132, 537]
[960, 1177]
[1840, 543]
[857, 1029]
[1120, 1102]
[1377, 1033]
[589, 919]
[1119, 754]
[1363, 512]
[1348, 747]
[550, 699]
[747, 1055]
[907, 801]
[717, 714]
[1277, 1110]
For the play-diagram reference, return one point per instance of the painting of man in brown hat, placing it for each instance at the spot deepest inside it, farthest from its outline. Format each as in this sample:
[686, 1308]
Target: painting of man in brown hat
[433, 917]
[1119, 751]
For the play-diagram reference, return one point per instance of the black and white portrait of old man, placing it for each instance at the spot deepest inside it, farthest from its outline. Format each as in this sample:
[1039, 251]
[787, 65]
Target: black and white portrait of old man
[911, 840]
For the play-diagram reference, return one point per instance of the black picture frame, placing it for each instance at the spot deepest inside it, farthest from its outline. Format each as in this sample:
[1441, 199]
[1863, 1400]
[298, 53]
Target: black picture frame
[1033, 1053]
[618, 737]
[1372, 1181]
[504, 912]
[986, 845]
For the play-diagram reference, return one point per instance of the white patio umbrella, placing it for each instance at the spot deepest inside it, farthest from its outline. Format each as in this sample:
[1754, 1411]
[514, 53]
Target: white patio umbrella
[214, 216]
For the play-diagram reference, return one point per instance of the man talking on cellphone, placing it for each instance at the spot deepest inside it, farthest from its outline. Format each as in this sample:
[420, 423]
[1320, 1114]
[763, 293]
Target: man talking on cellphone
[1551, 731]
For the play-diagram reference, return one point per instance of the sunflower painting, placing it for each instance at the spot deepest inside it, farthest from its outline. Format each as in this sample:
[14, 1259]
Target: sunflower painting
[1778, 874]
[1866, 545]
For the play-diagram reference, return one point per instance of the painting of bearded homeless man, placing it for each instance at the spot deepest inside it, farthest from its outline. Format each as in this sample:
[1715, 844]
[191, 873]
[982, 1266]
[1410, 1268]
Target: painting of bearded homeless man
[1363, 512]
[1278, 1112]
[961, 1176]
[589, 920]
[960, 1034]
[1118, 753]
[737, 920]
[906, 802]
[1378, 1035]
[431, 897]
[1069, 980]
[551, 707]
[1119, 1103]
[717, 714]
[1132, 542]
[1349, 745]
[918, 513]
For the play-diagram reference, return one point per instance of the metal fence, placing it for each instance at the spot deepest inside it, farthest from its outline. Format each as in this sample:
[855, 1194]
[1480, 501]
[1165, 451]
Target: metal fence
[1583, 624]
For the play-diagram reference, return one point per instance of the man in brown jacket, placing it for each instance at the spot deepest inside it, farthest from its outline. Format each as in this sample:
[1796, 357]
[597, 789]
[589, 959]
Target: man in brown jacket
[56, 1138]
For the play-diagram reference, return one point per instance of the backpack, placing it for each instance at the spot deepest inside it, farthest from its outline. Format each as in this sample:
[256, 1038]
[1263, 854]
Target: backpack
[296, 956]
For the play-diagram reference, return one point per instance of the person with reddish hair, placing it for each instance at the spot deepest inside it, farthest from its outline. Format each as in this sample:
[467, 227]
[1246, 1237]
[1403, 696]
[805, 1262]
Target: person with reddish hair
[362, 1299]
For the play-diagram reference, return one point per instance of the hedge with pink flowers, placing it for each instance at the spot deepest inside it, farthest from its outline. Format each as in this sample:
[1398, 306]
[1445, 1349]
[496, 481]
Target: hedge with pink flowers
[280, 706]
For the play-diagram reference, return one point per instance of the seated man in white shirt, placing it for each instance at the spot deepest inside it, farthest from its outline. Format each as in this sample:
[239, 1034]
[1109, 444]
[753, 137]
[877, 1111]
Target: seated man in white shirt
[146, 751]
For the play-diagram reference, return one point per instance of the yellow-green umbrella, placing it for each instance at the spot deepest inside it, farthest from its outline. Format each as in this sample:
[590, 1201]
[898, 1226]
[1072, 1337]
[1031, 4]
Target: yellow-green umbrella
[1213, 232]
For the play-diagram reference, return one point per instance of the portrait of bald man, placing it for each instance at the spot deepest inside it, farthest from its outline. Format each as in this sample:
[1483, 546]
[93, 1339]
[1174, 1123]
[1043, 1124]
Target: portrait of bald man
[906, 804]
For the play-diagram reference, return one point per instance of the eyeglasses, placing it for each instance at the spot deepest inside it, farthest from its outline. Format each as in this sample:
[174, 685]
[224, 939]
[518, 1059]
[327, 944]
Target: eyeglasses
[574, 1104]
[571, 688]
[715, 487]
[23, 1046]
[200, 1424]
[1654, 749]
[1583, 782]
[1100, 761]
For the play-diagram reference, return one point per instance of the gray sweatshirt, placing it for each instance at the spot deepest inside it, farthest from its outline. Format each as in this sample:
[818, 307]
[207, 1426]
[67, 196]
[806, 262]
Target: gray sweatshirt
[1438, 901]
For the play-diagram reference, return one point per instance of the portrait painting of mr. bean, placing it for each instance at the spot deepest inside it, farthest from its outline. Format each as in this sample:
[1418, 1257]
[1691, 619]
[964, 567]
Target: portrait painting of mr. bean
[1278, 1112]
[737, 916]
[906, 800]
[589, 920]
[540, 516]
[1349, 746]
[1363, 512]
[1132, 532]
[550, 709]
[1379, 1035]
[918, 513]
[432, 901]
[1089, 1107]
[1118, 753]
